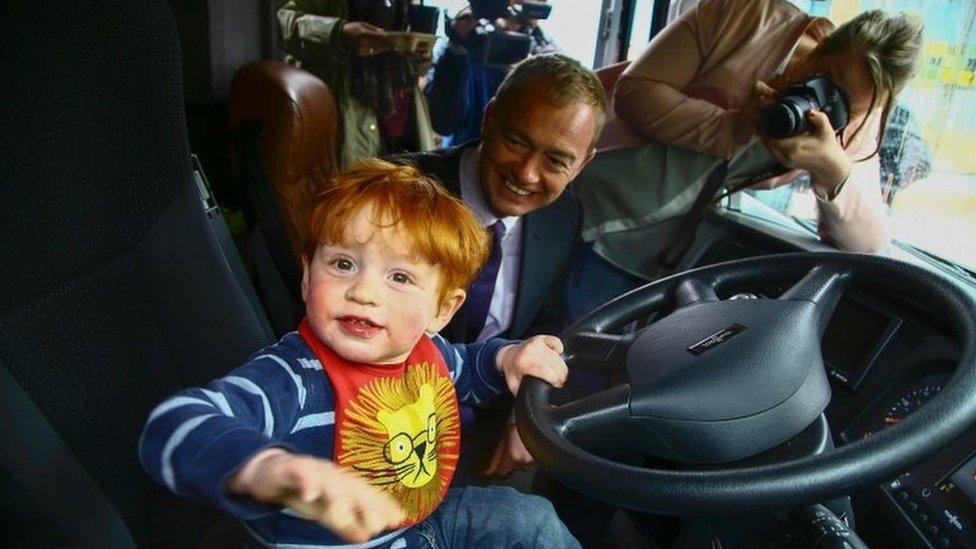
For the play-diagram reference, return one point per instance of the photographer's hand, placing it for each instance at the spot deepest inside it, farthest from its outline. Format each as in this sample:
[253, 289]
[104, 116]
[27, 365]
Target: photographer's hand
[817, 151]
[364, 39]
[748, 119]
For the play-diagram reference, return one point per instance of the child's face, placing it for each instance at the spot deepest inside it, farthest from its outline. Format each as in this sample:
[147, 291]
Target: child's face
[371, 299]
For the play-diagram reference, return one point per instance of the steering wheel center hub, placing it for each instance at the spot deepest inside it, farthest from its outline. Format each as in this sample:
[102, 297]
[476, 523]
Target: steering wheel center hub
[718, 381]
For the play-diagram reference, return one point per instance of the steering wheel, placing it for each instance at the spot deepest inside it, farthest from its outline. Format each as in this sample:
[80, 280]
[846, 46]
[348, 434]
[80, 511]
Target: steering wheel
[714, 381]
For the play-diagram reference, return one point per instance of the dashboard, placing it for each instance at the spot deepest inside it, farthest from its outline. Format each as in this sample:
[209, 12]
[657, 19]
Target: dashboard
[885, 359]
[898, 362]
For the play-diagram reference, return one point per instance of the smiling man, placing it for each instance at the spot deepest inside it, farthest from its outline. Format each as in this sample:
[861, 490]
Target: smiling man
[537, 134]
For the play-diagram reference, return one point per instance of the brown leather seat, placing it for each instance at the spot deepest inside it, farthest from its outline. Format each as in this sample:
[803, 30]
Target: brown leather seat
[297, 143]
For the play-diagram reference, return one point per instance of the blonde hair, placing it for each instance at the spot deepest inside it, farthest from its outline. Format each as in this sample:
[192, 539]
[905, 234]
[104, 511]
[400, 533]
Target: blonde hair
[569, 83]
[890, 45]
[438, 226]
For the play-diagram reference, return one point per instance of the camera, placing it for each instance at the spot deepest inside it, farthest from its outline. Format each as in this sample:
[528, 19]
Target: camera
[787, 117]
[493, 9]
[498, 47]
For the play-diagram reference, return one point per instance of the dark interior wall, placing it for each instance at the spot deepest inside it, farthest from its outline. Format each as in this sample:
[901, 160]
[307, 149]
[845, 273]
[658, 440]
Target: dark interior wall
[217, 37]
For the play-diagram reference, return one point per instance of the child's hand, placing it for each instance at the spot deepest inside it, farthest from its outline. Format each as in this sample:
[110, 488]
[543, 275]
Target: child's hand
[319, 491]
[537, 356]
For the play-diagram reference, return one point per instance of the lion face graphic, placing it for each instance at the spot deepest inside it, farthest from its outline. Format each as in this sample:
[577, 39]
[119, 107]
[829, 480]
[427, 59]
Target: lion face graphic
[402, 435]
[412, 448]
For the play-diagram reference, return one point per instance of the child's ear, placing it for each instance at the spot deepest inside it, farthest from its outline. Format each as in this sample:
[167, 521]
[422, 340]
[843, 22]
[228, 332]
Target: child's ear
[445, 311]
[305, 269]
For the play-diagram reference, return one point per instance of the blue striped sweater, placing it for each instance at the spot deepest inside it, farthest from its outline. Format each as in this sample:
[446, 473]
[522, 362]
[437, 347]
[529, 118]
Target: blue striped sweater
[196, 439]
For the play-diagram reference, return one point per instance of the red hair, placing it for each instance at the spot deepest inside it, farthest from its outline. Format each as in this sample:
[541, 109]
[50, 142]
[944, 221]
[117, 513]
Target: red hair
[438, 226]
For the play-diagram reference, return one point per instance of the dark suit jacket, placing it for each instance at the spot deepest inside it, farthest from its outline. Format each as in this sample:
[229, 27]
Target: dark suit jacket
[550, 237]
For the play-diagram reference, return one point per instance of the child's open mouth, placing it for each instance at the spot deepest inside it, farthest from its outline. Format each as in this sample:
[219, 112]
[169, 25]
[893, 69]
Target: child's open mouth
[359, 327]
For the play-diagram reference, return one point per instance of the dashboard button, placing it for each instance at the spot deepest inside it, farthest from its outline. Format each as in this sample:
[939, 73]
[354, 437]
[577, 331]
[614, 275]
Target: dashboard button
[934, 529]
[922, 517]
[913, 506]
[902, 495]
[944, 542]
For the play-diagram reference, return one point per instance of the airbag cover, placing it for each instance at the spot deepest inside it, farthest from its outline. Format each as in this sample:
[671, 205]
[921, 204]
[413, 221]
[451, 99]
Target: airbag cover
[724, 360]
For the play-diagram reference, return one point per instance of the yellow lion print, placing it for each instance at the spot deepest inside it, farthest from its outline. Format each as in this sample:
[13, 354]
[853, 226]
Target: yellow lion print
[412, 447]
[403, 434]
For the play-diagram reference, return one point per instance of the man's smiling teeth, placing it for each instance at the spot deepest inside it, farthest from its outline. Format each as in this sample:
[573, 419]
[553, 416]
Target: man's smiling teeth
[515, 188]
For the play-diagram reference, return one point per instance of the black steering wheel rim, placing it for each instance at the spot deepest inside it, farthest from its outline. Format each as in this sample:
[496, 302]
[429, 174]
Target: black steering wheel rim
[779, 485]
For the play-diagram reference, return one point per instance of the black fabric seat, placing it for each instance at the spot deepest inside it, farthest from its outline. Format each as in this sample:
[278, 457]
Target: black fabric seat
[113, 290]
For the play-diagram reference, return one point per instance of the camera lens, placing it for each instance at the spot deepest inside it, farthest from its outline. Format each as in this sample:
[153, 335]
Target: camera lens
[786, 117]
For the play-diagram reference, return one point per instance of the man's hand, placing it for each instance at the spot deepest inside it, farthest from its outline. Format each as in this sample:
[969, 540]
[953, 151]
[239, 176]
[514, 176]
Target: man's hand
[537, 356]
[510, 454]
[318, 491]
[817, 151]
[420, 57]
[364, 39]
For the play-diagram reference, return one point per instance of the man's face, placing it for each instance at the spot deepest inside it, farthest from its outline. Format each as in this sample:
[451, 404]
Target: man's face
[533, 150]
[371, 299]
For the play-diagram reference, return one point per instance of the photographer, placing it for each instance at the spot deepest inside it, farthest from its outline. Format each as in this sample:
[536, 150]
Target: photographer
[345, 43]
[696, 97]
[465, 74]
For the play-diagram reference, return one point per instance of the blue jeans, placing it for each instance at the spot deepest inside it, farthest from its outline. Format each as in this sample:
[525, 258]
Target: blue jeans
[494, 516]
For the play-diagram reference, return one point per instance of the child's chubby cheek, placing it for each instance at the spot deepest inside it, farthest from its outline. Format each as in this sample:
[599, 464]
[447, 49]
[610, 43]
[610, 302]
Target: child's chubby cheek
[410, 327]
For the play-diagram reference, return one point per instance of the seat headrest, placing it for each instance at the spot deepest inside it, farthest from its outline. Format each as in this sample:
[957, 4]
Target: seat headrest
[298, 116]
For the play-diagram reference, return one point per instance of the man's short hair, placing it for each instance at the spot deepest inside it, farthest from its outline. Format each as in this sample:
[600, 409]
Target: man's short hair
[438, 226]
[571, 83]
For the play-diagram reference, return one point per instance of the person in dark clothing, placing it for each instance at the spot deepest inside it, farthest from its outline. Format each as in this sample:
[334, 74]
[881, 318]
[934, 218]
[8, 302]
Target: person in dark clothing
[459, 84]
[539, 132]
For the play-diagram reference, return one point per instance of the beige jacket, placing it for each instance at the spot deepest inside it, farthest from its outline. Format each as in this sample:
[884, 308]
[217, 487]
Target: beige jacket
[687, 87]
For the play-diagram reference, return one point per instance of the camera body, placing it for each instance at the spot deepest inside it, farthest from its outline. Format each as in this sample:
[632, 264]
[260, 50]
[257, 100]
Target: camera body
[787, 116]
[500, 48]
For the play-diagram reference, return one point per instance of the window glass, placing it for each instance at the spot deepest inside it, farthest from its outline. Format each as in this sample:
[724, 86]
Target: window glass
[574, 27]
[641, 28]
[928, 155]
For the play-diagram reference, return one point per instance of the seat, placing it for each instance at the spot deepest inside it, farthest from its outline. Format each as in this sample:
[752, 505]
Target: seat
[615, 133]
[114, 290]
[608, 75]
[284, 123]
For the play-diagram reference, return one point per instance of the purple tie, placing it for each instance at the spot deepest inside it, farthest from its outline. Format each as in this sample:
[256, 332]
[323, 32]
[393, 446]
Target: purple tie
[481, 290]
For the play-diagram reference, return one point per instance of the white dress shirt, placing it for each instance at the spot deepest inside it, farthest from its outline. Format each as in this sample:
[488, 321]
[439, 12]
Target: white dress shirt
[502, 306]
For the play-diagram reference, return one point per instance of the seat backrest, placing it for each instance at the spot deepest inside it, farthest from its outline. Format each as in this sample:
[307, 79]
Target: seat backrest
[295, 118]
[114, 292]
[284, 124]
[615, 132]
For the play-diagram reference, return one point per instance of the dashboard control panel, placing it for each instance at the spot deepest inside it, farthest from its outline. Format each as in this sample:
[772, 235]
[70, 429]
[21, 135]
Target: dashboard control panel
[937, 497]
[943, 511]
